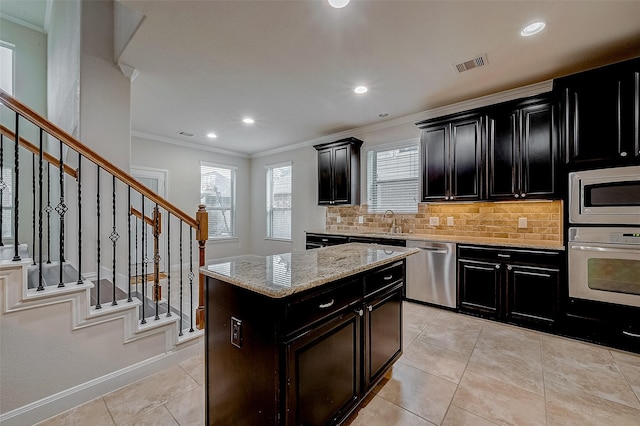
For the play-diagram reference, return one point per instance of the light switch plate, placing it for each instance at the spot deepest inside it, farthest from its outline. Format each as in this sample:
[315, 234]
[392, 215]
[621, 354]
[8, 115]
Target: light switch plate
[236, 332]
[522, 222]
[450, 221]
[360, 219]
[434, 221]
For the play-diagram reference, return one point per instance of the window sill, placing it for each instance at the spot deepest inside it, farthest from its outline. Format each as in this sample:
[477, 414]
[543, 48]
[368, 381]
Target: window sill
[282, 240]
[222, 239]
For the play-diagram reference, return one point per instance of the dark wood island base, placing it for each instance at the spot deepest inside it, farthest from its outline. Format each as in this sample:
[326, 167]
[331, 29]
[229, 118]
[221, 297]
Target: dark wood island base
[308, 358]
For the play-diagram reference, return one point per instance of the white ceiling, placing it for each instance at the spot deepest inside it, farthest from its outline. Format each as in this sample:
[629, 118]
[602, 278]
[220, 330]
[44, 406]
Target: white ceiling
[292, 65]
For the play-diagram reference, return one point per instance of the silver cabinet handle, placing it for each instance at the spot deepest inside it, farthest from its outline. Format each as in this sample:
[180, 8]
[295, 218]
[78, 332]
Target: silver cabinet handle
[327, 305]
[509, 268]
[359, 312]
[504, 255]
[523, 195]
[623, 154]
[370, 308]
[388, 277]
[517, 195]
[630, 334]
[497, 266]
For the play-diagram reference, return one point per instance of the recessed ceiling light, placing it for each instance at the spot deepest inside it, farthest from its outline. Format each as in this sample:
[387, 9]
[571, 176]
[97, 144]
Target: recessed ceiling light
[248, 120]
[532, 29]
[212, 135]
[338, 4]
[360, 90]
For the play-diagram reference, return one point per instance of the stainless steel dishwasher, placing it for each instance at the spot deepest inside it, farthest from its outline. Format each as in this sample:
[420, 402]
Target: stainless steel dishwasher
[431, 273]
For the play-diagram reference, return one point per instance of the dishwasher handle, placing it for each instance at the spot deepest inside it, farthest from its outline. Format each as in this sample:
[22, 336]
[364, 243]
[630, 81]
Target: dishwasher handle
[433, 250]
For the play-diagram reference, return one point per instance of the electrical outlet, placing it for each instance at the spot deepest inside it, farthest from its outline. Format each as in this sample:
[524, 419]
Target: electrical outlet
[522, 222]
[338, 219]
[360, 219]
[236, 332]
[450, 221]
[434, 221]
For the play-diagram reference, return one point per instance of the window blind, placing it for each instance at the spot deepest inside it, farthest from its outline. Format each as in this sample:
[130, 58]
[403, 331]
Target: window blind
[393, 178]
[217, 193]
[279, 201]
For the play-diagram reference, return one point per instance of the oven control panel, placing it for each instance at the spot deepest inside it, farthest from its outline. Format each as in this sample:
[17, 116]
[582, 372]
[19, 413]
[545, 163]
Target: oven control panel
[605, 235]
[626, 237]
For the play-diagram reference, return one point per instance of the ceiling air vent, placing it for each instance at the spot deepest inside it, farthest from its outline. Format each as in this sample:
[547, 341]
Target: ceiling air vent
[186, 134]
[478, 61]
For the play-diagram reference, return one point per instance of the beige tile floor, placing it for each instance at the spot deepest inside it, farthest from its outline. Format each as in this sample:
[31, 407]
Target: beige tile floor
[456, 370]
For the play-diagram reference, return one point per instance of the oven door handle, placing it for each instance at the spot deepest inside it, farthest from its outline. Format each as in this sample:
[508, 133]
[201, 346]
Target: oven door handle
[605, 249]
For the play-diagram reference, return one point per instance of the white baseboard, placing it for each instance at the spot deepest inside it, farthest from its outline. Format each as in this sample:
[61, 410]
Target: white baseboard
[62, 401]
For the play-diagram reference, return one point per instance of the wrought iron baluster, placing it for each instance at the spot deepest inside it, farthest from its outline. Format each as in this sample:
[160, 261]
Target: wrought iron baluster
[144, 265]
[191, 276]
[16, 190]
[181, 281]
[61, 209]
[3, 186]
[33, 215]
[114, 239]
[79, 173]
[40, 155]
[168, 264]
[98, 305]
[156, 260]
[129, 299]
[48, 209]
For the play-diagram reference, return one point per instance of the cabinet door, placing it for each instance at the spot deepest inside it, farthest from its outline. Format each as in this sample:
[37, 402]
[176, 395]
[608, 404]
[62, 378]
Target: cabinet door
[532, 294]
[435, 160]
[479, 287]
[503, 143]
[465, 155]
[323, 372]
[341, 174]
[538, 151]
[383, 334]
[325, 176]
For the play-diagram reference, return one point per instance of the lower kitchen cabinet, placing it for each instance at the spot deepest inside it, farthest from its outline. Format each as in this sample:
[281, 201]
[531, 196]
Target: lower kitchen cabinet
[515, 285]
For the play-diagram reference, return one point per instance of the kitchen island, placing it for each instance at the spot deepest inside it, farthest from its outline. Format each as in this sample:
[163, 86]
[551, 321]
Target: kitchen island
[301, 338]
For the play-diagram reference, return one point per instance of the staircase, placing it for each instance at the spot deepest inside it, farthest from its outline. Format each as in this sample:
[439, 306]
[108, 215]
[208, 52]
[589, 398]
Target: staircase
[84, 305]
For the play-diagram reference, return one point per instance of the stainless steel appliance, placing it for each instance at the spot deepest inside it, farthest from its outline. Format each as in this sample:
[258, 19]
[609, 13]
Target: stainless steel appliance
[604, 264]
[605, 196]
[431, 273]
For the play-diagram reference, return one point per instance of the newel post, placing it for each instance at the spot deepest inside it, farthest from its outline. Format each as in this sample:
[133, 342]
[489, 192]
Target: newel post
[202, 235]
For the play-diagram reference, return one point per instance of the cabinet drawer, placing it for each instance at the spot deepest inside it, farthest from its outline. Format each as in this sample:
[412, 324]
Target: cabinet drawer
[327, 240]
[313, 307]
[383, 278]
[522, 256]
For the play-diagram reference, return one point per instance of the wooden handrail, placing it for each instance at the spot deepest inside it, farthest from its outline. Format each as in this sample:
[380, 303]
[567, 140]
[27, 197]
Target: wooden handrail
[45, 155]
[91, 155]
[148, 220]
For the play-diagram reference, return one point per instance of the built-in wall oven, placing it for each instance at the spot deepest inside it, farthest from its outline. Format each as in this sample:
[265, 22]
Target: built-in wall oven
[604, 264]
[605, 196]
[604, 235]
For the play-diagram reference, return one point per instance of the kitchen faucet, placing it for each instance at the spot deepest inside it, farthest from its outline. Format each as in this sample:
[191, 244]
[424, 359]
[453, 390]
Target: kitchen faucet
[393, 223]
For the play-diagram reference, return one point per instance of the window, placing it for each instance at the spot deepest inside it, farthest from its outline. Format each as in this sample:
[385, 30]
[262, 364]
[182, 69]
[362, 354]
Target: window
[6, 189]
[218, 193]
[6, 67]
[279, 201]
[393, 178]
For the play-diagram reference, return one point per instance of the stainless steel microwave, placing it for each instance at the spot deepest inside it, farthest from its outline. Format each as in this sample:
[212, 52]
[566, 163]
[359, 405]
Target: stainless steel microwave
[605, 196]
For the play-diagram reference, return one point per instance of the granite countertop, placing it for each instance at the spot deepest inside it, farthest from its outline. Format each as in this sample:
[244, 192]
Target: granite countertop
[284, 274]
[487, 241]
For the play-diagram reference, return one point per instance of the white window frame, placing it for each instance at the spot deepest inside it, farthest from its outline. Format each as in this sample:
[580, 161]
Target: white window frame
[371, 205]
[269, 201]
[11, 47]
[232, 220]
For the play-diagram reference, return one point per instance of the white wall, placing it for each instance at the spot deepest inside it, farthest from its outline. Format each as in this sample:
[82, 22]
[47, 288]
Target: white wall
[183, 187]
[305, 215]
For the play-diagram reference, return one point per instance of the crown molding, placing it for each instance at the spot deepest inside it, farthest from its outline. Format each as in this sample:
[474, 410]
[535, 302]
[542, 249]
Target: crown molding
[191, 145]
[23, 23]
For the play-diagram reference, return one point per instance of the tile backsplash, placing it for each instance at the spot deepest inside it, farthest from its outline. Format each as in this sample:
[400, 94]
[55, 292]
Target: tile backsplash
[479, 219]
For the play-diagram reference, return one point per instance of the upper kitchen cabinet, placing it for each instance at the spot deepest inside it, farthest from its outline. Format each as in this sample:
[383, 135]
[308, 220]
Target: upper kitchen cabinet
[339, 172]
[600, 115]
[451, 158]
[522, 149]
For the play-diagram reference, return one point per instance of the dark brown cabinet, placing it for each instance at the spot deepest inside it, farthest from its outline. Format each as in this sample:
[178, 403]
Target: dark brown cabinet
[451, 158]
[339, 172]
[522, 150]
[514, 285]
[600, 115]
[306, 359]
